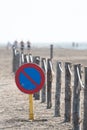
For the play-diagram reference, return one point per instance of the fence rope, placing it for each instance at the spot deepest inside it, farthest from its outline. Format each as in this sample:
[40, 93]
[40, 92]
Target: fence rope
[60, 68]
[15, 52]
[31, 59]
[69, 70]
[51, 67]
[22, 58]
[27, 58]
[80, 81]
[45, 67]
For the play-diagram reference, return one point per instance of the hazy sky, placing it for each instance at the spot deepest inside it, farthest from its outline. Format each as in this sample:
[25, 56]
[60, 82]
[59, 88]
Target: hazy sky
[43, 20]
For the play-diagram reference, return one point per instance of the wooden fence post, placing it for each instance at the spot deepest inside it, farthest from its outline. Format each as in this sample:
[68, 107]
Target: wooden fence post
[43, 91]
[51, 51]
[22, 46]
[13, 61]
[28, 46]
[68, 93]
[31, 58]
[85, 102]
[49, 84]
[25, 58]
[76, 99]
[16, 60]
[37, 61]
[22, 58]
[58, 90]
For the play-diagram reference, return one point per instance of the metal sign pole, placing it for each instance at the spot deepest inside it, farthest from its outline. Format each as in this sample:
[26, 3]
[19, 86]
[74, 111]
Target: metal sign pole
[31, 114]
[29, 83]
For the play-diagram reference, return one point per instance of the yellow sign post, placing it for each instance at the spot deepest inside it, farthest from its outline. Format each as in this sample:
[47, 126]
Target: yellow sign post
[31, 114]
[30, 79]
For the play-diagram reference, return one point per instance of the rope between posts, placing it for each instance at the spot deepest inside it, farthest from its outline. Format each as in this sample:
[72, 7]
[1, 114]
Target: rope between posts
[60, 68]
[45, 65]
[51, 67]
[22, 58]
[31, 59]
[69, 69]
[27, 58]
[15, 52]
[80, 81]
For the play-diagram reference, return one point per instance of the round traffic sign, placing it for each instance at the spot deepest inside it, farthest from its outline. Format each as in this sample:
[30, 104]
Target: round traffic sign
[29, 78]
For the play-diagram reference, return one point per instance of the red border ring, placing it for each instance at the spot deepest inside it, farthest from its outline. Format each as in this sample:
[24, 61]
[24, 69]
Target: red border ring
[27, 66]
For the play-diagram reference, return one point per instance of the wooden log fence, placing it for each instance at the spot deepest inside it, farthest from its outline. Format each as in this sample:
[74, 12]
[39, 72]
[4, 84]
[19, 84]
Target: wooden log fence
[22, 46]
[68, 93]
[49, 84]
[28, 46]
[25, 58]
[16, 60]
[22, 58]
[37, 61]
[30, 58]
[43, 91]
[70, 112]
[51, 51]
[13, 60]
[85, 101]
[58, 90]
[76, 98]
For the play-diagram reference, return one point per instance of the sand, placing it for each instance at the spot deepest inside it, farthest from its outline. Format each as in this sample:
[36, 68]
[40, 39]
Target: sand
[14, 105]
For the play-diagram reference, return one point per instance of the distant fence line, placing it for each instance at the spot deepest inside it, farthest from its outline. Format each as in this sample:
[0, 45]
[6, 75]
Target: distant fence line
[71, 114]
[22, 45]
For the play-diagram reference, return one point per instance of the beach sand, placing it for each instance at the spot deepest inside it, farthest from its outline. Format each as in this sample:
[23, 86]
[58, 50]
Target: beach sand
[14, 105]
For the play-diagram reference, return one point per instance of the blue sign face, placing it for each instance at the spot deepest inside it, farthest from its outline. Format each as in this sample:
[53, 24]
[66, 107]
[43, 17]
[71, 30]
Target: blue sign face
[30, 78]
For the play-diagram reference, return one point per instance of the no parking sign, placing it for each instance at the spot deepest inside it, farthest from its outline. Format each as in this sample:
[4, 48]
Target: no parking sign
[29, 78]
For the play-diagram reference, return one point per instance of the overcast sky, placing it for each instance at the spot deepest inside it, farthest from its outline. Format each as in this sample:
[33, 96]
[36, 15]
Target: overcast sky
[43, 20]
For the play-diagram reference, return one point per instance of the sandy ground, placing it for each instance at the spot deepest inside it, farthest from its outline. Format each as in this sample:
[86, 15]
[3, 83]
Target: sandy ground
[14, 105]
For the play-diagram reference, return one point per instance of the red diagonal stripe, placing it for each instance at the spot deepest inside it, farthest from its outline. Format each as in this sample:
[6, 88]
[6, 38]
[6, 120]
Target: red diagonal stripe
[26, 75]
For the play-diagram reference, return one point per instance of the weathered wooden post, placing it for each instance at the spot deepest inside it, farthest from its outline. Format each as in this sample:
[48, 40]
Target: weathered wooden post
[22, 46]
[22, 58]
[15, 44]
[17, 60]
[31, 58]
[25, 58]
[37, 61]
[13, 60]
[43, 91]
[68, 93]
[85, 102]
[76, 98]
[28, 46]
[49, 84]
[51, 51]
[58, 90]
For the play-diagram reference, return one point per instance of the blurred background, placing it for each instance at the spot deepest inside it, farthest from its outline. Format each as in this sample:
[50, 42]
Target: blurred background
[44, 22]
